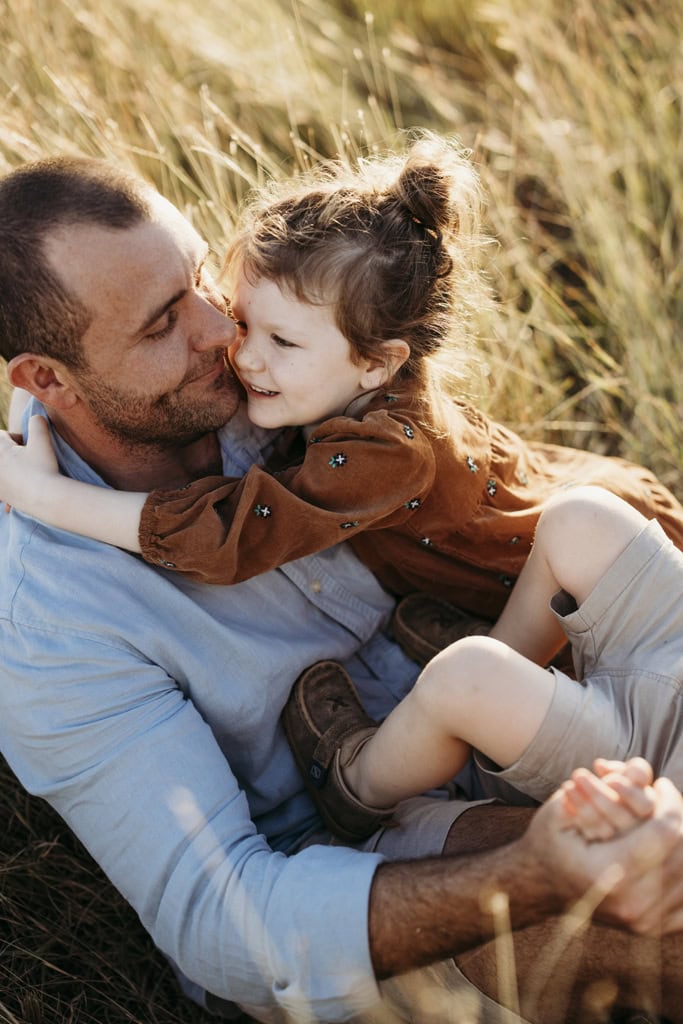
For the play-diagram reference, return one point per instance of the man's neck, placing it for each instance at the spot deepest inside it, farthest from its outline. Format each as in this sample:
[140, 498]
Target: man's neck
[129, 467]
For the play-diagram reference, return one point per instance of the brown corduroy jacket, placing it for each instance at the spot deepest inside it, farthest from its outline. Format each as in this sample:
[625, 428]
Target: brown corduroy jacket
[452, 514]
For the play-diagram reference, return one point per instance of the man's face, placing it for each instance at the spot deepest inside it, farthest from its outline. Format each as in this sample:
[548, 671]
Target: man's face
[155, 370]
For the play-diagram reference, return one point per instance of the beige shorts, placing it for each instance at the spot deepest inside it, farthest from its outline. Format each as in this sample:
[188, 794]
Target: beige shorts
[627, 645]
[419, 828]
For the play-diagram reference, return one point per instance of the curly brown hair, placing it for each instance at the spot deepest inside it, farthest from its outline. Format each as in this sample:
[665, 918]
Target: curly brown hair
[393, 243]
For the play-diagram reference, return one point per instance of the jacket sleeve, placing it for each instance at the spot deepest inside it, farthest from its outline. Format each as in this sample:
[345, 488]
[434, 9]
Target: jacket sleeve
[355, 476]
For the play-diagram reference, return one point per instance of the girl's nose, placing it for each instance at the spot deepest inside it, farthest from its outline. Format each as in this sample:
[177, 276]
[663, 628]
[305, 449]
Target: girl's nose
[246, 354]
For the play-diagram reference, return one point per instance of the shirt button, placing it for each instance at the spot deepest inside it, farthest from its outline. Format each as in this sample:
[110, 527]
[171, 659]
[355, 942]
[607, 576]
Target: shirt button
[316, 586]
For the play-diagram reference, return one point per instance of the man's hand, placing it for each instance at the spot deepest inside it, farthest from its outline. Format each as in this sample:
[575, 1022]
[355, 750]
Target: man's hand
[634, 880]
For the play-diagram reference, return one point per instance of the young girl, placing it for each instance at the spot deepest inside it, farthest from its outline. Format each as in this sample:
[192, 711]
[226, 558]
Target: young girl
[352, 291]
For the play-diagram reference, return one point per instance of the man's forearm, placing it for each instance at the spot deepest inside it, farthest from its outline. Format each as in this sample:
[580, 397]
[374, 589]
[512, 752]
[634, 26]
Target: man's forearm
[424, 911]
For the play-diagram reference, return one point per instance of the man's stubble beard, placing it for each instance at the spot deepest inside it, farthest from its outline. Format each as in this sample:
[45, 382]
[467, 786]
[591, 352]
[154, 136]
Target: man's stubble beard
[170, 420]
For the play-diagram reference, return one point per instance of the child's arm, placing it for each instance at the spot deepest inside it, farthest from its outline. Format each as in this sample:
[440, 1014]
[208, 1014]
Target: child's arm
[30, 481]
[221, 529]
[609, 802]
[355, 476]
[19, 399]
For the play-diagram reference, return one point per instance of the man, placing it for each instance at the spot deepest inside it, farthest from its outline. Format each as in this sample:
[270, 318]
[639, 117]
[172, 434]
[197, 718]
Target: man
[146, 708]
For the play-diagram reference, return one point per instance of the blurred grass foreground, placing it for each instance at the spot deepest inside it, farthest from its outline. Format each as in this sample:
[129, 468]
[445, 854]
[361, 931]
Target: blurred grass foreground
[573, 115]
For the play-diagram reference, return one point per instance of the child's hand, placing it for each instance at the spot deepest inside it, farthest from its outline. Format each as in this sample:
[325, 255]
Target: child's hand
[609, 802]
[637, 770]
[24, 468]
[19, 400]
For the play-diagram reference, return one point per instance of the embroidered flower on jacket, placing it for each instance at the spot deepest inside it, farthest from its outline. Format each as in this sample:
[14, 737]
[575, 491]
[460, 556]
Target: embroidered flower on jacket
[413, 503]
[408, 431]
[426, 542]
[263, 511]
[471, 465]
[349, 525]
[491, 486]
[338, 460]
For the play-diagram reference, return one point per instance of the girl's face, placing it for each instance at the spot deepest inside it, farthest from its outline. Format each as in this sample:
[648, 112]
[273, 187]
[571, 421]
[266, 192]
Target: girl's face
[293, 361]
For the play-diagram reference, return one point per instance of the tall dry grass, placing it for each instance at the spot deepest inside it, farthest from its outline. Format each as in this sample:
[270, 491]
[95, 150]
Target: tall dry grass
[573, 113]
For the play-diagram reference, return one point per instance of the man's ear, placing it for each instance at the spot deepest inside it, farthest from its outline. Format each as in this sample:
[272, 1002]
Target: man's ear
[380, 370]
[47, 379]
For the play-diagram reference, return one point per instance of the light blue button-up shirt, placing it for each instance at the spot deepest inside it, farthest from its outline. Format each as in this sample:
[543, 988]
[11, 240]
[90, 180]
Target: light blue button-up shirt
[145, 708]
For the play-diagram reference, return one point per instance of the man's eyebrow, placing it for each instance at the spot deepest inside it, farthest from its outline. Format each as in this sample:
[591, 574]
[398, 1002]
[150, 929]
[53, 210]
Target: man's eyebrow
[159, 312]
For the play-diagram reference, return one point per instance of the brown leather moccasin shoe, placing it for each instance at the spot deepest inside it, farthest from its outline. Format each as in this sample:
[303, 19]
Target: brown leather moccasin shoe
[423, 625]
[326, 726]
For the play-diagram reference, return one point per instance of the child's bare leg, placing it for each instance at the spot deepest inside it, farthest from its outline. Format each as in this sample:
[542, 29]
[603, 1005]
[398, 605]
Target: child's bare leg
[609, 802]
[579, 535]
[477, 693]
[490, 695]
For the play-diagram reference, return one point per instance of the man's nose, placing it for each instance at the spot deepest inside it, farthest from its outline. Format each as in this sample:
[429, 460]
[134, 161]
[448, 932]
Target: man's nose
[214, 328]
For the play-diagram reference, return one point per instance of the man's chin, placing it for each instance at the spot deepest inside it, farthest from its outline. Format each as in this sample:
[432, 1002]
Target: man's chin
[195, 432]
[220, 407]
[174, 431]
[229, 387]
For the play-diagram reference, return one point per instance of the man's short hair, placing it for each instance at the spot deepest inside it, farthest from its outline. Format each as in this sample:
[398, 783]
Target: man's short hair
[37, 313]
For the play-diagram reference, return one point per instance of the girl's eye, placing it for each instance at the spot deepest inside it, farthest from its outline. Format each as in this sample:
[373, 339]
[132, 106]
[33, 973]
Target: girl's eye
[282, 342]
[168, 326]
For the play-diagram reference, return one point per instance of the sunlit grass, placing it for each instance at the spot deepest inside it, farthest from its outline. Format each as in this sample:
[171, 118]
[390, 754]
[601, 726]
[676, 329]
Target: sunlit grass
[573, 114]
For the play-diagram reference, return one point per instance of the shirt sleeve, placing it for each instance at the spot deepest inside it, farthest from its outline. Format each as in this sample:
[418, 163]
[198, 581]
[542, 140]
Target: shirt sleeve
[355, 476]
[135, 771]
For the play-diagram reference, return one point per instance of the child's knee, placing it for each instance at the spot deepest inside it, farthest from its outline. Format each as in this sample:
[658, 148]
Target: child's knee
[586, 517]
[580, 534]
[570, 512]
[573, 513]
[466, 670]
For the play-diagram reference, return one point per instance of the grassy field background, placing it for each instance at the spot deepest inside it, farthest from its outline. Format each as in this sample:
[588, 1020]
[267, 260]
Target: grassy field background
[573, 115]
